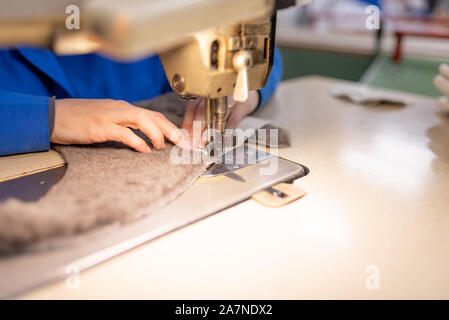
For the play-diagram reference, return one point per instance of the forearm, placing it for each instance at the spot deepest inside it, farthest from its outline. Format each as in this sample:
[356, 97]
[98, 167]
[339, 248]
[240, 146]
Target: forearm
[25, 124]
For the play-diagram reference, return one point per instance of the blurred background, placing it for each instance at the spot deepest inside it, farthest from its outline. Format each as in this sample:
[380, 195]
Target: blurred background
[330, 38]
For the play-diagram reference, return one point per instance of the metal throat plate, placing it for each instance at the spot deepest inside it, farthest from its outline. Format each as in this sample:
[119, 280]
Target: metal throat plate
[232, 160]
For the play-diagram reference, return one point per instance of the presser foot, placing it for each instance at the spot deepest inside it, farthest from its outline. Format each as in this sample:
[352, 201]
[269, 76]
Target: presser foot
[235, 159]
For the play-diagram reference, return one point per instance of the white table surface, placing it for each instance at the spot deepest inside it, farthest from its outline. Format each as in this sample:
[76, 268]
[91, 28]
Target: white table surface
[378, 197]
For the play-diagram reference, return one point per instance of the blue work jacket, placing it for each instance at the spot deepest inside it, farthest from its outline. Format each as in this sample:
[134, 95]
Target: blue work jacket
[29, 77]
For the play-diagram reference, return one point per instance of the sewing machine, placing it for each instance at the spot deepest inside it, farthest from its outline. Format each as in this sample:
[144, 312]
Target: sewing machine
[210, 49]
[224, 48]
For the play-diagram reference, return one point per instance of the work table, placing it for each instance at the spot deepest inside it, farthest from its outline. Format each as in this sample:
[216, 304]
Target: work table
[377, 203]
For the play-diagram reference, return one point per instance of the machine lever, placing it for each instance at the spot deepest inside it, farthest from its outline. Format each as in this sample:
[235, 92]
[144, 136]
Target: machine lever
[241, 61]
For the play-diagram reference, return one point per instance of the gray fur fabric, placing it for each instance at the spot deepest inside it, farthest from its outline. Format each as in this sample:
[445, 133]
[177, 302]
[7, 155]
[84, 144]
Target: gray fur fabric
[104, 183]
[283, 137]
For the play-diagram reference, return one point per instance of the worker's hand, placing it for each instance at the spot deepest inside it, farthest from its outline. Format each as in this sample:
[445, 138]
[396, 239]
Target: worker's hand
[195, 111]
[442, 83]
[82, 121]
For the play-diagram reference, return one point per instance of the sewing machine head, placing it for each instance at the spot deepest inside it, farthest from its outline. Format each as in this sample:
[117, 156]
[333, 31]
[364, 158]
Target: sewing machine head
[209, 48]
[220, 62]
[218, 48]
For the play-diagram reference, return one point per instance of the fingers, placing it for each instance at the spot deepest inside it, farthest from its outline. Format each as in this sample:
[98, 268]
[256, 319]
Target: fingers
[199, 124]
[195, 122]
[242, 109]
[147, 125]
[442, 83]
[238, 113]
[184, 141]
[126, 136]
[444, 70]
[443, 102]
[189, 115]
[137, 118]
[153, 124]
[168, 129]
[89, 121]
[442, 80]
[156, 126]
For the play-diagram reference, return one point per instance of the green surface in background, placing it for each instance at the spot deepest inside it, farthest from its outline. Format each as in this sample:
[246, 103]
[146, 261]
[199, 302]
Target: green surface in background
[300, 62]
[411, 75]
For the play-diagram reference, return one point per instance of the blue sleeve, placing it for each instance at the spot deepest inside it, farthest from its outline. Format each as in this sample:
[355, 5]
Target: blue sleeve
[372, 2]
[275, 77]
[23, 123]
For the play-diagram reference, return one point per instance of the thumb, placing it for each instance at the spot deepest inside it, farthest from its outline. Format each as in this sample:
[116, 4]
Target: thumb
[238, 113]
